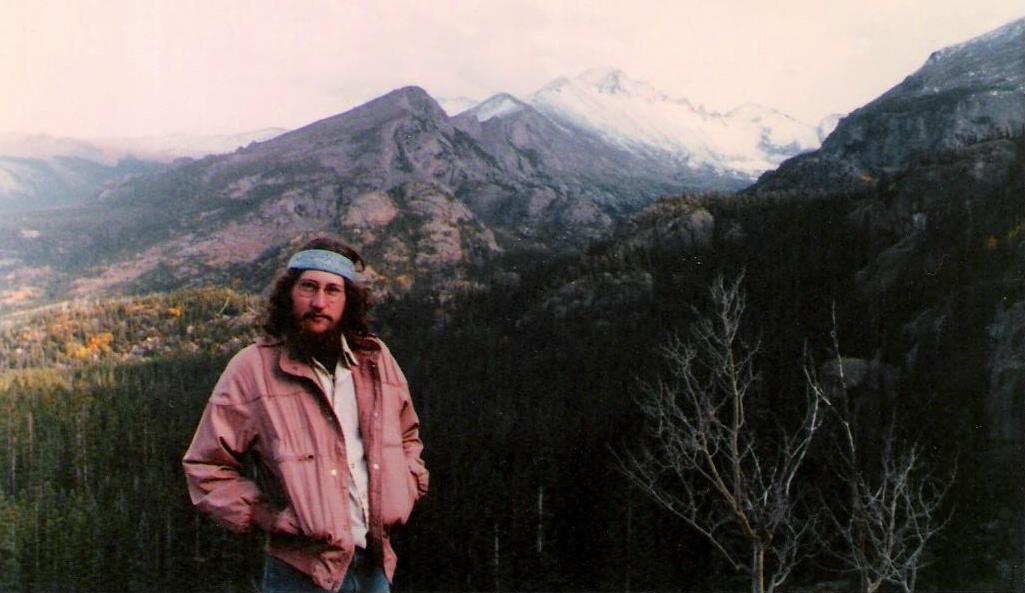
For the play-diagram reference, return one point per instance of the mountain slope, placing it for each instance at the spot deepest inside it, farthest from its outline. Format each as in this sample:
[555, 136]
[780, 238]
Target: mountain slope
[37, 183]
[635, 117]
[421, 193]
[530, 145]
[961, 95]
[388, 174]
[40, 171]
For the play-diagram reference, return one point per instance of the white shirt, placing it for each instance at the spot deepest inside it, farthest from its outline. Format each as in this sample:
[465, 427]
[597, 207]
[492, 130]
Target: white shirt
[342, 394]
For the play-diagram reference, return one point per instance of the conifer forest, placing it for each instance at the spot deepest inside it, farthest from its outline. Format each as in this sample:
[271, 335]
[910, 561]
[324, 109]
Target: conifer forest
[530, 394]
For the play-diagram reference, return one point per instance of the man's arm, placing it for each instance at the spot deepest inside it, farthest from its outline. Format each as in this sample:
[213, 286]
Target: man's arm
[212, 471]
[412, 446]
[212, 467]
[409, 425]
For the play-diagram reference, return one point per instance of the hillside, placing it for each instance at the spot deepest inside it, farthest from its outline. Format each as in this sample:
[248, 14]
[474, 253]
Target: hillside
[527, 308]
[211, 321]
[587, 327]
[425, 195]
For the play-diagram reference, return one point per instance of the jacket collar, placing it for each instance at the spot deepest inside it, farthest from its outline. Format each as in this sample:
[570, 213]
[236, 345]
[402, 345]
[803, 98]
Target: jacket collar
[367, 349]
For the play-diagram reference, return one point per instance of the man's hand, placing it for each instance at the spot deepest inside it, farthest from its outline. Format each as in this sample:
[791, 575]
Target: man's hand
[286, 522]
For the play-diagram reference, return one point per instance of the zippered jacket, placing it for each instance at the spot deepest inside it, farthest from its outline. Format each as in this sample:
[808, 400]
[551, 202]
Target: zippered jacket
[273, 406]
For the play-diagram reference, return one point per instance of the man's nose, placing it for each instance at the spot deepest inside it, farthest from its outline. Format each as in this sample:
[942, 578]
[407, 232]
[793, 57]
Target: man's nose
[319, 299]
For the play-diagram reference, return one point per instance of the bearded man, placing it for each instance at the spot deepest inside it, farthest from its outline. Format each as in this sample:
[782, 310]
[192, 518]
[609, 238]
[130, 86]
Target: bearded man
[326, 410]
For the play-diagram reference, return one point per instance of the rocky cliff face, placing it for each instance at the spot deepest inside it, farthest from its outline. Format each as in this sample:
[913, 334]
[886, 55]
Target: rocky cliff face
[962, 95]
[936, 168]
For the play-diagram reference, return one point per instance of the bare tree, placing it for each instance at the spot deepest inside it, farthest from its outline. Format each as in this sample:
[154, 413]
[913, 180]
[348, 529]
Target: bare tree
[703, 460]
[892, 511]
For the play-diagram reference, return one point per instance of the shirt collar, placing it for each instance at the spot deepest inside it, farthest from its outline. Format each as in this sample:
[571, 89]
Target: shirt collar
[348, 359]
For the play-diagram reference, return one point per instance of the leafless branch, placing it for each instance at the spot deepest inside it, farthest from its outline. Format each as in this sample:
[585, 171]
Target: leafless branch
[889, 516]
[702, 460]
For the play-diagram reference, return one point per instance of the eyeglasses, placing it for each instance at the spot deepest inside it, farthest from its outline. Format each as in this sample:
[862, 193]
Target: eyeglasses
[309, 288]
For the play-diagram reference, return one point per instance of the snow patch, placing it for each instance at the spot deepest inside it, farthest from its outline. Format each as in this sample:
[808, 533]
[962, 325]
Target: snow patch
[827, 125]
[636, 117]
[497, 106]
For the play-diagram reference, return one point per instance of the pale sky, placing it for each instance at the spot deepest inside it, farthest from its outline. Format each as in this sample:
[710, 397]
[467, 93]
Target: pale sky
[156, 67]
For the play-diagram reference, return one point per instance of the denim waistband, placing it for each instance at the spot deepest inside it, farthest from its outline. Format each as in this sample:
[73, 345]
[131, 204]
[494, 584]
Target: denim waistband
[360, 558]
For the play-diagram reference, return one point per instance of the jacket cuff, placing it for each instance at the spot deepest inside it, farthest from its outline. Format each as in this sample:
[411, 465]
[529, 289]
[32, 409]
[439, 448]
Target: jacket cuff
[421, 483]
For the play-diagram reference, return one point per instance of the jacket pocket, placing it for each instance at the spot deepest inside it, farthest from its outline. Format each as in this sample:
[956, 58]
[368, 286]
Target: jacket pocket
[297, 450]
[393, 401]
[398, 488]
[285, 423]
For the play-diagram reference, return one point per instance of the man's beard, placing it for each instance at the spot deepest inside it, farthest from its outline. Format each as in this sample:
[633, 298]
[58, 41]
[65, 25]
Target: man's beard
[325, 346]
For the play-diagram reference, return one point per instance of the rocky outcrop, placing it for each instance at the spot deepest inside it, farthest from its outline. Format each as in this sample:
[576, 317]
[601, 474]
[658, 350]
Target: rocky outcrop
[1006, 402]
[598, 295]
[962, 95]
[668, 223]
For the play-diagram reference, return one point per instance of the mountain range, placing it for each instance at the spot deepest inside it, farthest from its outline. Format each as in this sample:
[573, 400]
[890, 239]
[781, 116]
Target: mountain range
[41, 171]
[428, 196]
[669, 137]
[418, 190]
[888, 265]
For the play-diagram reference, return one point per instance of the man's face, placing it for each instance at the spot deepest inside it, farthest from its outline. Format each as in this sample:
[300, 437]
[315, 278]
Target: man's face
[318, 299]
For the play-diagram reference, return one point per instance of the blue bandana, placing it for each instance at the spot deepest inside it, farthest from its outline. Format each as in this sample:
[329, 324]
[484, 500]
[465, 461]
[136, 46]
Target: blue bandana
[325, 261]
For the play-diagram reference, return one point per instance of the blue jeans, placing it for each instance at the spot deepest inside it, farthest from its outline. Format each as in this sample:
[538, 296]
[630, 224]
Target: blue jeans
[362, 577]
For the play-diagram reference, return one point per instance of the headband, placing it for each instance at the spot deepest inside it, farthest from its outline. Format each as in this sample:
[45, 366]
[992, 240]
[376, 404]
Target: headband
[325, 261]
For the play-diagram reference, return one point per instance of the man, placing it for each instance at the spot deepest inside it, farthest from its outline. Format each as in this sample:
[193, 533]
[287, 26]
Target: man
[326, 410]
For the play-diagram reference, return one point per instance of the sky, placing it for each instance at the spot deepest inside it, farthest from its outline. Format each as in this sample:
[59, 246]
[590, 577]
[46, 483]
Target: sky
[116, 68]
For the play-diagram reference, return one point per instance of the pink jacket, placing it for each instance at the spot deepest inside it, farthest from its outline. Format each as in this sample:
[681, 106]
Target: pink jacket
[271, 404]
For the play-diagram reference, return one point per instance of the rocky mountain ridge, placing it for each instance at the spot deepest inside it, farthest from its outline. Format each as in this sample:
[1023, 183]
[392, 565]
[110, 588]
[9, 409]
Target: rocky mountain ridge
[429, 196]
[636, 117]
[665, 137]
[935, 169]
[444, 194]
[971, 92]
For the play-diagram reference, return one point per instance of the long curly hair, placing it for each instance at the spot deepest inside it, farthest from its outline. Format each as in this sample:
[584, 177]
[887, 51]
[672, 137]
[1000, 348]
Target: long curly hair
[279, 320]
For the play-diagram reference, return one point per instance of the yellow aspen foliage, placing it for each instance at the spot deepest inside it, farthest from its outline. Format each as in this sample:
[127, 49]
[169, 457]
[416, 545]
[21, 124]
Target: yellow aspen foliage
[175, 312]
[404, 281]
[77, 351]
[100, 342]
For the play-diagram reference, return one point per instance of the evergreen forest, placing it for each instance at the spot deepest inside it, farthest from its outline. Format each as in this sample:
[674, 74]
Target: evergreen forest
[527, 389]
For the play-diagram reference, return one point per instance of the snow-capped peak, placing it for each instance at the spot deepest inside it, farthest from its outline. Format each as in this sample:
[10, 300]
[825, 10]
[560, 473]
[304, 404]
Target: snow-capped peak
[612, 81]
[606, 80]
[496, 106]
[637, 117]
[993, 59]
